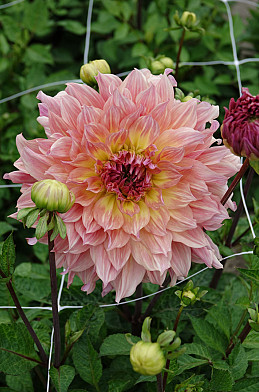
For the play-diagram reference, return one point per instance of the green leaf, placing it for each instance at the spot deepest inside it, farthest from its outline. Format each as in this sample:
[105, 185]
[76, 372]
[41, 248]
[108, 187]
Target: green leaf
[222, 316]
[252, 340]
[197, 349]
[247, 385]
[15, 338]
[209, 334]
[7, 258]
[238, 362]
[20, 383]
[38, 53]
[252, 355]
[254, 165]
[72, 26]
[36, 16]
[250, 274]
[221, 380]
[186, 362]
[24, 212]
[117, 344]
[90, 319]
[32, 280]
[32, 217]
[5, 228]
[61, 226]
[62, 377]
[42, 226]
[87, 362]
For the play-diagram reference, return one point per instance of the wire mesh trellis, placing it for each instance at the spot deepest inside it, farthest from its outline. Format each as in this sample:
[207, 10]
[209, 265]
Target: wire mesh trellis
[236, 62]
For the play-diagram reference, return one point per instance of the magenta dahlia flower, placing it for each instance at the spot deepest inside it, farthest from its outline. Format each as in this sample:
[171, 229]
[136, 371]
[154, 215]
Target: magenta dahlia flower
[146, 180]
[240, 128]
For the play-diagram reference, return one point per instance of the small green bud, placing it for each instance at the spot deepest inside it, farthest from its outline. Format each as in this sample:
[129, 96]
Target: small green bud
[147, 358]
[90, 70]
[52, 195]
[167, 62]
[188, 19]
[187, 98]
[254, 321]
[189, 295]
[165, 338]
[159, 65]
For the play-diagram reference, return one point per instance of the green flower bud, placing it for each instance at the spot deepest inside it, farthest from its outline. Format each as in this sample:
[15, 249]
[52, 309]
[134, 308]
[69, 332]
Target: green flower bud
[188, 19]
[165, 338]
[90, 70]
[147, 358]
[52, 195]
[189, 295]
[187, 98]
[160, 64]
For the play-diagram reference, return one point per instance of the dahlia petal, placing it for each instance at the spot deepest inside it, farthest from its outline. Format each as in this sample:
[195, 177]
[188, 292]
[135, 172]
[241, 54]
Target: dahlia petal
[181, 259]
[128, 207]
[124, 103]
[95, 133]
[127, 121]
[194, 238]
[184, 114]
[155, 277]
[148, 99]
[165, 89]
[128, 279]
[56, 124]
[161, 115]
[133, 224]
[107, 84]
[143, 132]
[112, 119]
[19, 177]
[143, 256]
[61, 147]
[171, 154]
[153, 198]
[158, 221]
[178, 196]
[85, 95]
[117, 238]
[181, 137]
[119, 256]
[107, 214]
[57, 172]
[135, 82]
[70, 109]
[181, 219]
[157, 244]
[104, 268]
[52, 103]
[98, 150]
[168, 176]
[117, 140]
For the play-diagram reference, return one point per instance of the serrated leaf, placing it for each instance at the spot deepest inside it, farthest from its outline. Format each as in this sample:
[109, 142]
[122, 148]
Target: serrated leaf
[42, 226]
[61, 227]
[221, 380]
[89, 319]
[34, 20]
[7, 258]
[252, 355]
[87, 362]
[222, 317]
[20, 383]
[31, 217]
[62, 377]
[252, 340]
[238, 362]
[117, 344]
[250, 274]
[197, 349]
[15, 338]
[186, 362]
[209, 334]
[24, 212]
[247, 385]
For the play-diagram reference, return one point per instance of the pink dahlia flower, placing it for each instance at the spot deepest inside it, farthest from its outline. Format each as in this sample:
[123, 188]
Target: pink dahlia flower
[240, 129]
[145, 175]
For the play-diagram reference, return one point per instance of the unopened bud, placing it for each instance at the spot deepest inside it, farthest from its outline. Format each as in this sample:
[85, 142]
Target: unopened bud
[158, 66]
[147, 358]
[188, 19]
[52, 195]
[165, 338]
[187, 98]
[90, 70]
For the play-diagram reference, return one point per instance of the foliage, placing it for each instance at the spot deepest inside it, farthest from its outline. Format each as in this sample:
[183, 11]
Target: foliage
[47, 46]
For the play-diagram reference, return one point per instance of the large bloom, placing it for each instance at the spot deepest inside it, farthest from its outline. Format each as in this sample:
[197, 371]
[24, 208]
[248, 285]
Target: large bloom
[146, 179]
[240, 129]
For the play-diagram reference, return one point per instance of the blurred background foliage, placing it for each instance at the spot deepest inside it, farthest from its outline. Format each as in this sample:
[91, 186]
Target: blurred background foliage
[42, 41]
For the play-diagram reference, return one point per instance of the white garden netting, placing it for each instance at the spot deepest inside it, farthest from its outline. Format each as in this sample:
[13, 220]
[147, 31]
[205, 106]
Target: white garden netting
[236, 63]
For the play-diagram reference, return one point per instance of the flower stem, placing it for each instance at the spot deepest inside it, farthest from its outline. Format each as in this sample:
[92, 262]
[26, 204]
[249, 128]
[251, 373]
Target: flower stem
[179, 53]
[217, 274]
[159, 382]
[235, 181]
[168, 360]
[54, 297]
[136, 321]
[42, 353]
